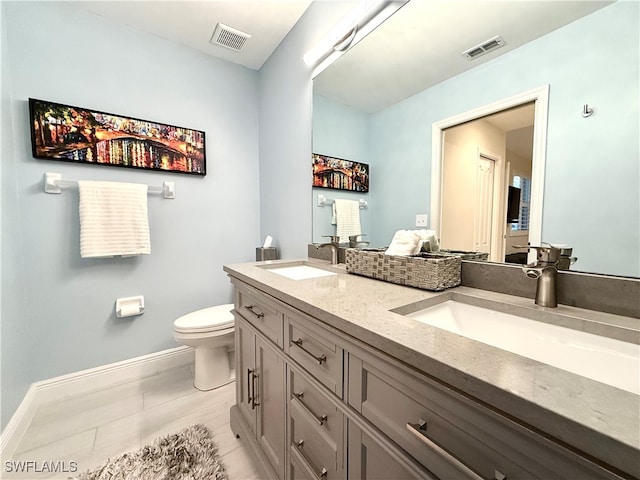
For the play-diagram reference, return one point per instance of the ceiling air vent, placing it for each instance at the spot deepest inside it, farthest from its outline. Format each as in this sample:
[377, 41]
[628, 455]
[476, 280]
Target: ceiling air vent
[484, 47]
[228, 37]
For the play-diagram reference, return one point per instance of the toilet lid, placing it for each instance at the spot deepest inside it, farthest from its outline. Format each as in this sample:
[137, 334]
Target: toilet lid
[206, 319]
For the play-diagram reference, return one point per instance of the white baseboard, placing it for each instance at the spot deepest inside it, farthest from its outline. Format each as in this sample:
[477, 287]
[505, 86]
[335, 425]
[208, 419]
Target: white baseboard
[84, 381]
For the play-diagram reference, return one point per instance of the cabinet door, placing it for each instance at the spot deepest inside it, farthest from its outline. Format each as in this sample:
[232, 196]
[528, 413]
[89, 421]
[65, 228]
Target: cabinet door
[369, 460]
[245, 369]
[271, 400]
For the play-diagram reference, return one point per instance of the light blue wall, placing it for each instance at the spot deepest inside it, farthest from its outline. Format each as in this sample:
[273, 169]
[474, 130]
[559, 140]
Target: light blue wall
[16, 344]
[342, 132]
[285, 131]
[592, 173]
[58, 309]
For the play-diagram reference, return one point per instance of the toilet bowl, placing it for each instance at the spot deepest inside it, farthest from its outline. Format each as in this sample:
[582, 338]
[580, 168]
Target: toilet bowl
[211, 332]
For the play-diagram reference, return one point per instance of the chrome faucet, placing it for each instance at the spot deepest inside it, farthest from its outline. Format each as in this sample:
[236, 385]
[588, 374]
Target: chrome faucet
[355, 243]
[546, 271]
[334, 245]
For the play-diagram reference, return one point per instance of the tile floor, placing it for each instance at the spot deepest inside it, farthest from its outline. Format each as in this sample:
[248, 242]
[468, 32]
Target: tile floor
[90, 428]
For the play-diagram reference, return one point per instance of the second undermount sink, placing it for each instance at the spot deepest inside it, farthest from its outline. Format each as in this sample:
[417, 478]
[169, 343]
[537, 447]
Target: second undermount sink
[604, 359]
[301, 272]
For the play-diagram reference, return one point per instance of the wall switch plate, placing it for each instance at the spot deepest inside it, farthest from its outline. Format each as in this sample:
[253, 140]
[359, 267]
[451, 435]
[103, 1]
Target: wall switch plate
[421, 220]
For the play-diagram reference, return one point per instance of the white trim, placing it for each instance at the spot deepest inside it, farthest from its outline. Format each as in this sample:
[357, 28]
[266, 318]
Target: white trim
[84, 381]
[17, 426]
[539, 95]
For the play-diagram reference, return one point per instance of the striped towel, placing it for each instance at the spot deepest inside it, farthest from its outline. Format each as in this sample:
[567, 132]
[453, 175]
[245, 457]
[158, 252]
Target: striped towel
[113, 219]
[347, 219]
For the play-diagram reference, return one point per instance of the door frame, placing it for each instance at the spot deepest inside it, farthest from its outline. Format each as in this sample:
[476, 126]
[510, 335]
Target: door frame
[538, 95]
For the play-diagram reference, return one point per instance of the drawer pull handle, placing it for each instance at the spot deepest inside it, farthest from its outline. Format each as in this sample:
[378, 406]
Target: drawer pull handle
[420, 431]
[320, 419]
[323, 473]
[298, 343]
[251, 307]
[251, 388]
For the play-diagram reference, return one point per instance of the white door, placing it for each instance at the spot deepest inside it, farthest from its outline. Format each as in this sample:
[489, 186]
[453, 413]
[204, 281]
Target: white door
[484, 204]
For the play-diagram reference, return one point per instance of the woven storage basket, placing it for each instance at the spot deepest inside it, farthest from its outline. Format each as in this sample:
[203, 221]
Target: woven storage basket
[428, 271]
[464, 255]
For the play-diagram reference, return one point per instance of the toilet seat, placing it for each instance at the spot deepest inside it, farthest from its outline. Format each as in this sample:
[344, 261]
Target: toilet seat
[209, 319]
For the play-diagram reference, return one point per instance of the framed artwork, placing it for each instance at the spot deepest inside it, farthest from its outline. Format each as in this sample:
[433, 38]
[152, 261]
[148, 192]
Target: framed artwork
[82, 135]
[340, 174]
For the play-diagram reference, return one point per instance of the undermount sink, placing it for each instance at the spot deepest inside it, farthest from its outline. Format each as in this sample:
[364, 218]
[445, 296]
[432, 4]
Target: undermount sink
[604, 359]
[301, 272]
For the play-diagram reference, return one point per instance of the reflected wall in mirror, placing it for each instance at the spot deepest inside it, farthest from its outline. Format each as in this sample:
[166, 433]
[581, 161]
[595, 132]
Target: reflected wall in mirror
[587, 52]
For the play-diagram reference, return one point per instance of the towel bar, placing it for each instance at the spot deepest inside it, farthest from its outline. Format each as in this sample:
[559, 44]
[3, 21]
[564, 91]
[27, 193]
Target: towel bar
[323, 201]
[53, 183]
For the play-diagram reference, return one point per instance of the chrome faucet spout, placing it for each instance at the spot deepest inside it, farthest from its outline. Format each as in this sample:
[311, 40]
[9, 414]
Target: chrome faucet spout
[334, 251]
[546, 291]
[545, 270]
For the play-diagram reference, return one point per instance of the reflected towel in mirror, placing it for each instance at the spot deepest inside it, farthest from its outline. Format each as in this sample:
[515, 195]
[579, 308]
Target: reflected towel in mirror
[347, 216]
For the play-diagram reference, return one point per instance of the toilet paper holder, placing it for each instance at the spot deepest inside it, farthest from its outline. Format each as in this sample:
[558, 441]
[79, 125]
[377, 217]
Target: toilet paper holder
[129, 306]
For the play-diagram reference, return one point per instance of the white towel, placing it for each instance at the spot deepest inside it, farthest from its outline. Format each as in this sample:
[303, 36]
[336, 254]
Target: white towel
[113, 219]
[347, 219]
[428, 240]
[405, 242]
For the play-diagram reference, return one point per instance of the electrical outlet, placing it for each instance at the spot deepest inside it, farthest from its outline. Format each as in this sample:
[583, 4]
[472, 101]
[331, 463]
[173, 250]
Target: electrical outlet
[421, 220]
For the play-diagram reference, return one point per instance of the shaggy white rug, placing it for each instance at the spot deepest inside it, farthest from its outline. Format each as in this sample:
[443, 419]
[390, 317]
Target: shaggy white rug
[188, 455]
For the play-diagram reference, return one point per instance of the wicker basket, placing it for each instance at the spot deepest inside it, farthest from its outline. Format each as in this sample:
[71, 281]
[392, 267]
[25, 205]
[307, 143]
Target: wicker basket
[464, 255]
[428, 271]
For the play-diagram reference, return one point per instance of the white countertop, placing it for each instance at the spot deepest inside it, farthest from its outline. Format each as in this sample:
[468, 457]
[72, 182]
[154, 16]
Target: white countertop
[593, 417]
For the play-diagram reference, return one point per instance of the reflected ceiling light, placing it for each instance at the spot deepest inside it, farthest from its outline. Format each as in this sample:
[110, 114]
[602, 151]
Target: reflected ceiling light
[356, 25]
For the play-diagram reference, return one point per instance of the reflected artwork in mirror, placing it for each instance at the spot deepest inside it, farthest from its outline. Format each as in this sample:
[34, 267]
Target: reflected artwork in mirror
[381, 100]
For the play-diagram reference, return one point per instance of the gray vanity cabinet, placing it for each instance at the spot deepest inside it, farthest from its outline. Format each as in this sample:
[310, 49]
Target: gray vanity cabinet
[261, 377]
[372, 459]
[316, 404]
[451, 435]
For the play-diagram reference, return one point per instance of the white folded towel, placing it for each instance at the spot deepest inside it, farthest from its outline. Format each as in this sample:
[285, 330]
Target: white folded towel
[347, 213]
[113, 219]
[428, 237]
[405, 242]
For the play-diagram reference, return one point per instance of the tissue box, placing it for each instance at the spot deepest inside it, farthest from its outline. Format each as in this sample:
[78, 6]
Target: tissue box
[429, 271]
[262, 254]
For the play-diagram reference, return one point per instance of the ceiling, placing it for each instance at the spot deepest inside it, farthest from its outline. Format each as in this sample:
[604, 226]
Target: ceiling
[425, 37]
[421, 45]
[191, 23]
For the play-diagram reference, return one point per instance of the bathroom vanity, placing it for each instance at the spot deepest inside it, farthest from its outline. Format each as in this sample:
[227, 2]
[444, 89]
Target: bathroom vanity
[336, 380]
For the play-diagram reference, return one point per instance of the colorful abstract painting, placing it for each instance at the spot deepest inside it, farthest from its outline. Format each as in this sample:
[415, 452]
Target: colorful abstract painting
[81, 135]
[336, 173]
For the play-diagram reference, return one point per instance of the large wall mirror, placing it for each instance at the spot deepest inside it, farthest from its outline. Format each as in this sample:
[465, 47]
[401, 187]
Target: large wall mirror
[379, 102]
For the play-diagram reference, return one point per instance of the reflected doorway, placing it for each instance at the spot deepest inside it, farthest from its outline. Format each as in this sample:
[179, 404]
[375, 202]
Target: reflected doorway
[507, 176]
[486, 180]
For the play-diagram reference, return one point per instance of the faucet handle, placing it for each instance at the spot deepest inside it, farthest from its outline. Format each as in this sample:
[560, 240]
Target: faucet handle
[547, 254]
[334, 238]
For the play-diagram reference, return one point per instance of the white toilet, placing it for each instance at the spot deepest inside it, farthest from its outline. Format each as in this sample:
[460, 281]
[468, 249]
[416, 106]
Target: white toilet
[211, 332]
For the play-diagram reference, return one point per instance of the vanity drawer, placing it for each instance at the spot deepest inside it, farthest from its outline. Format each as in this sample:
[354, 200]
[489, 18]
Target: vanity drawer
[307, 401]
[314, 445]
[453, 436]
[315, 350]
[262, 313]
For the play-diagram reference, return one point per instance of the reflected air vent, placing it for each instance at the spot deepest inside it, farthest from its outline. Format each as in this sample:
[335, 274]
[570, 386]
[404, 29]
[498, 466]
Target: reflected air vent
[228, 37]
[484, 47]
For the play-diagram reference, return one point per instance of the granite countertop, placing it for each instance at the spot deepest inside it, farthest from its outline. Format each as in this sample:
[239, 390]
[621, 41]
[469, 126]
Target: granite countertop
[598, 419]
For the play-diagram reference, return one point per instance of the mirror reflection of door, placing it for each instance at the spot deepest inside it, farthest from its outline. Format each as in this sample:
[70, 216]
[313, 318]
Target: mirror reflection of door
[486, 162]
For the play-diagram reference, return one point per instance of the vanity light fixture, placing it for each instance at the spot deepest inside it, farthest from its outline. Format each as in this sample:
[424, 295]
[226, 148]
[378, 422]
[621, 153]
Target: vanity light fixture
[352, 28]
